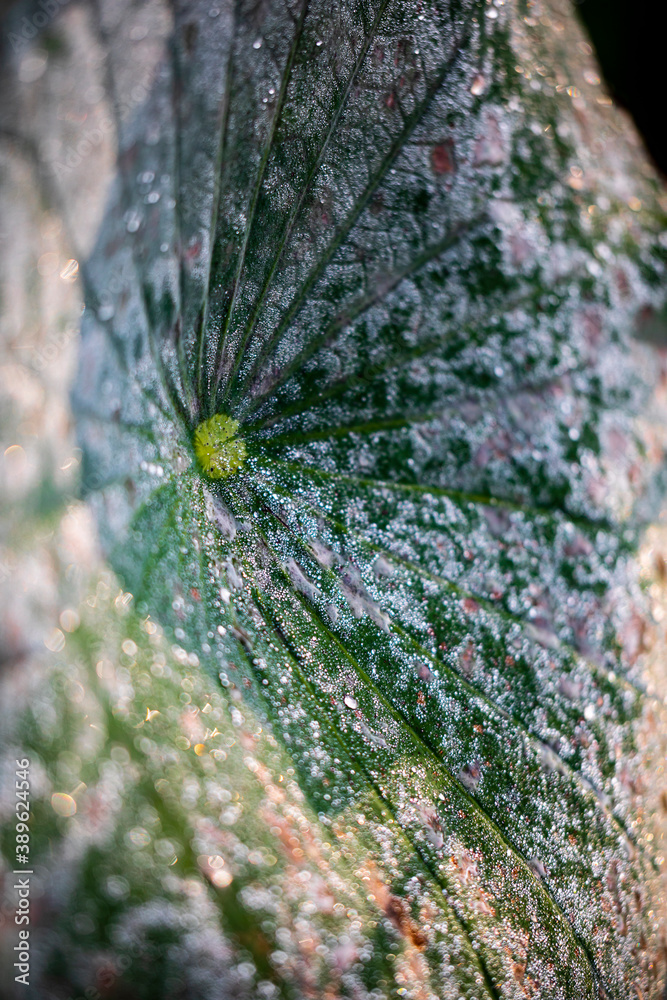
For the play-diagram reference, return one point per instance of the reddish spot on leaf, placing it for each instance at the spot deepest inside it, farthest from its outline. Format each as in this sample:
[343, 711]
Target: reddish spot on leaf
[442, 158]
[193, 250]
[578, 546]
[399, 913]
[467, 659]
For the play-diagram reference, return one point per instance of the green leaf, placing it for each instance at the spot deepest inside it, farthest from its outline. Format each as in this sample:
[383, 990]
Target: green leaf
[404, 246]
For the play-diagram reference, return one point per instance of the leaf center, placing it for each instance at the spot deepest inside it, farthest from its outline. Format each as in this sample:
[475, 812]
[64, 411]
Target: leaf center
[219, 452]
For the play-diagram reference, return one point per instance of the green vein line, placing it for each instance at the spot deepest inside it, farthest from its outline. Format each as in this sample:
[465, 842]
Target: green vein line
[381, 801]
[206, 606]
[223, 336]
[377, 369]
[371, 427]
[139, 511]
[484, 602]
[176, 90]
[458, 496]
[200, 340]
[128, 196]
[153, 557]
[363, 304]
[338, 388]
[471, 688]
[252, 322]
[597, 670]
[384, 802]
[168, 386]
[344, 231]
[424, 749]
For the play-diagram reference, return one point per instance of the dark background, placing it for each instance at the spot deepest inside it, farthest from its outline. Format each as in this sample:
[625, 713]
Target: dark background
[630, 37]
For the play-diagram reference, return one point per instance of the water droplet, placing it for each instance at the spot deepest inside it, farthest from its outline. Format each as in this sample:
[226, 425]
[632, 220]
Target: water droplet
[69, 620]
[132, 222]
[63, 804]
[478, 85]
[70, 270]
[538, 867]
[55, 641]
[32, 67]
[105, 312]
[139, 837]
[257, 44]
[221, 878]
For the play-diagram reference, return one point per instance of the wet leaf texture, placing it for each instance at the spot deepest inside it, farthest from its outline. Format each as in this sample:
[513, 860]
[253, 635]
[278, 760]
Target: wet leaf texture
[406, 246]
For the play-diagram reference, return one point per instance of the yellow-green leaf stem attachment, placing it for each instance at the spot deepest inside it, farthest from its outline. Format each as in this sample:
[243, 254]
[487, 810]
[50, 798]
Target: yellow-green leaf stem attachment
[219, 451]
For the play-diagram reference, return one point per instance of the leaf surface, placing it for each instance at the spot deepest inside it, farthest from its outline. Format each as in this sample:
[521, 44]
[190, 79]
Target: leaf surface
[384, 238]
